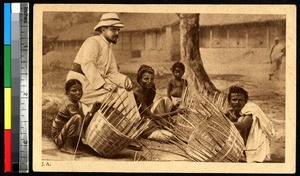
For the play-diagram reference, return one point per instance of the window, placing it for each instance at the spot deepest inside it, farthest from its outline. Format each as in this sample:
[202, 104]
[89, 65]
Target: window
[136, 54]
[257, 37]
[204, 37]
[137, 41]
[237, 36]
[219, 37]
[150, 41]
[160, 38]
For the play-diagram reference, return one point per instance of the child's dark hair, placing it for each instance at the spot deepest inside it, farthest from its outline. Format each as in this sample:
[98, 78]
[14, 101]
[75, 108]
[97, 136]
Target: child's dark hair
[71, 83]
[178, 65]
[237, 89]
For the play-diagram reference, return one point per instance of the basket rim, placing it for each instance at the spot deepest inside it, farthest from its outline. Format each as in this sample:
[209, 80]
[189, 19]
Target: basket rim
[112, 127]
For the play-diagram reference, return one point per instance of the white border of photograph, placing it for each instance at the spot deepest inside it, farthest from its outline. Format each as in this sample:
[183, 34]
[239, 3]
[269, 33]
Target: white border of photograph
[151, 166]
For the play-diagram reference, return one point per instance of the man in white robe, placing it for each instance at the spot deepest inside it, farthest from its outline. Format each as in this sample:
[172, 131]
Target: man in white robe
[96, 68]
[252, 123]
[276, 56]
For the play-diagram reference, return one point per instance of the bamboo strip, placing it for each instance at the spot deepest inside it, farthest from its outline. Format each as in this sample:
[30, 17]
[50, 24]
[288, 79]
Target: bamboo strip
[111, 115]
[189, 154]
[138, 131]
[105, 98]
[194, 120]
[112, 100]
[219, 143]
[115, 109]
[205, 117]
[217, 131]
[113, 121]
[187, 121]
[220, 136]
[127, 129]
[179, 144]
[204, 154]
[106, 107]
[224, 130]
[207, 150]
[214, 97]
[206, 144]
[108, 96]
[125, 115]
[119, 96]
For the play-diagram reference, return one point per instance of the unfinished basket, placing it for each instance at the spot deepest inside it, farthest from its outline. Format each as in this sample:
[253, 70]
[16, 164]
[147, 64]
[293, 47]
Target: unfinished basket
[105, 138]
[205, 133]
[212, 143]
[112, 129]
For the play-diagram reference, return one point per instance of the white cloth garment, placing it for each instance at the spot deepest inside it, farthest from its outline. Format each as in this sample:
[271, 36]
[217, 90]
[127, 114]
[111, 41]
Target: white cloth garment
[99, 66]
[176, 100]
[161, 106]
[261, 132]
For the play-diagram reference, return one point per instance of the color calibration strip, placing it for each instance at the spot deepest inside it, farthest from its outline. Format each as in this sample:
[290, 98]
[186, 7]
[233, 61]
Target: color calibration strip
[16, 82]
[7, 88]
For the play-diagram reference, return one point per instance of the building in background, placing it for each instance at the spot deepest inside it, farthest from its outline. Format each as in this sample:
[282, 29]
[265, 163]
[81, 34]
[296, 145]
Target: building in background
[155, 37]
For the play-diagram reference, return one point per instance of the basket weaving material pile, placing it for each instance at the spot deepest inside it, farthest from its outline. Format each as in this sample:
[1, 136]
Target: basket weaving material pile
[114, 126]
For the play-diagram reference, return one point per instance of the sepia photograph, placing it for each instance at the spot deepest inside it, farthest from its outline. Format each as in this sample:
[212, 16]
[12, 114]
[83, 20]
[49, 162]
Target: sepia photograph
[164, 88]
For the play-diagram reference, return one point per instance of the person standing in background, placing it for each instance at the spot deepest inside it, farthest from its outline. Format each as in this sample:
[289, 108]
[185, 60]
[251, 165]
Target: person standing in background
[276, 54]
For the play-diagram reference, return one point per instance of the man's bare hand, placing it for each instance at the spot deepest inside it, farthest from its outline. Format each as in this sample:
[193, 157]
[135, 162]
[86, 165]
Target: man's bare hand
[128, 84]
[109, 86]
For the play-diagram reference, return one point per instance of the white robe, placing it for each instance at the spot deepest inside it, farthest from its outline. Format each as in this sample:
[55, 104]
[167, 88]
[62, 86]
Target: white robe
[99, 66]
[261, 132]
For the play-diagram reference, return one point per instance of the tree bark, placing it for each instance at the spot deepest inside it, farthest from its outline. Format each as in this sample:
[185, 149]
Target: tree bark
[190, 53]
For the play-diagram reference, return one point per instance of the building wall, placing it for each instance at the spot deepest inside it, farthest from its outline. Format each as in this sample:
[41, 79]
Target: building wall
[243, 40]
[175, 47]
[254, 35]
[237, 36]
[67, 46]
[142, 46]
[205, 35]
[219, 37]
[232, 41]
[277, 29]
[245, 55]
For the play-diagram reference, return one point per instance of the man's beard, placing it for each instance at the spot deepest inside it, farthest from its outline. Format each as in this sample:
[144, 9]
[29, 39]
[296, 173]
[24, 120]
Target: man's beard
[113, 41]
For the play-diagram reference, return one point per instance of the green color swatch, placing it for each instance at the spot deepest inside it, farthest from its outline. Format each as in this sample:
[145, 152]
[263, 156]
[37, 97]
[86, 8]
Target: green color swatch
[7, 66]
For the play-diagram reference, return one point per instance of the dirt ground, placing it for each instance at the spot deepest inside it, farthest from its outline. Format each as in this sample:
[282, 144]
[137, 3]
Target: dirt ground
[269, 95]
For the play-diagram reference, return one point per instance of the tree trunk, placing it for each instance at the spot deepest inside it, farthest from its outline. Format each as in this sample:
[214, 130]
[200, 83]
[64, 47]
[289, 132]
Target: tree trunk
[190, 53]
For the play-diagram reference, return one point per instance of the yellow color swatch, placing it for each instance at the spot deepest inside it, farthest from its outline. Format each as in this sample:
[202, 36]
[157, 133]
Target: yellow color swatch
[7, 110]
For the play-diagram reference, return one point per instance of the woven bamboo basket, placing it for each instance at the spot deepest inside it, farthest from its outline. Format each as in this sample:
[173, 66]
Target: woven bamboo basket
[104, 138]
[205, 133]
[212, 143]
[111, 130]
